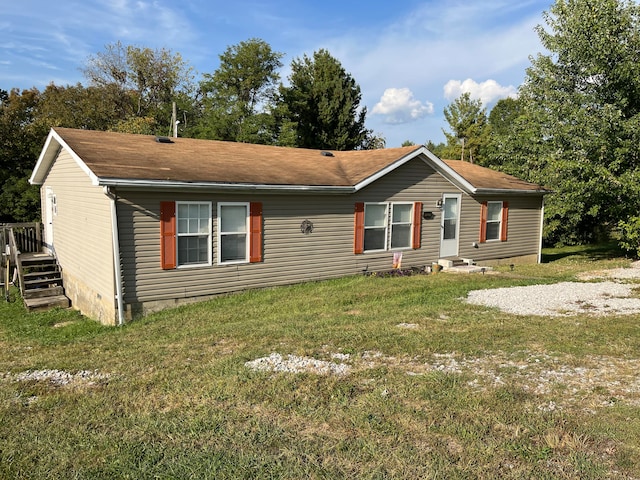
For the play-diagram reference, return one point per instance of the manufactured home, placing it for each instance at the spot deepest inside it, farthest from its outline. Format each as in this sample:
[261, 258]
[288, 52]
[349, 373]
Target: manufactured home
[138, 223]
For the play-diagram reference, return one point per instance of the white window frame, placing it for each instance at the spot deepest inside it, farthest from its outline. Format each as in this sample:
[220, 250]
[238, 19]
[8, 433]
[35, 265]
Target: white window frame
[499, 221]
[180, 235]
[220, 233]
[392, 223]
[386, 226]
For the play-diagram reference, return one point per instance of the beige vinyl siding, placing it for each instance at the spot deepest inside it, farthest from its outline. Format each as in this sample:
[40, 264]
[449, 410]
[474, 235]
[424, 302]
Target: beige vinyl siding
[289, 255]
[82, 238]
[523, 235]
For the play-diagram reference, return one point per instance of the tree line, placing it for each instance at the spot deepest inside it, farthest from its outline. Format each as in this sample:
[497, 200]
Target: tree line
[573, 127]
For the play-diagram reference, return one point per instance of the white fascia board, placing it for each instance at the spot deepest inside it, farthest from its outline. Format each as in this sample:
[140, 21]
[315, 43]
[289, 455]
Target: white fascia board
[509, 191]
[449, 173]
[390, 168]
[440, 167]
[175, 185]
[49, 154]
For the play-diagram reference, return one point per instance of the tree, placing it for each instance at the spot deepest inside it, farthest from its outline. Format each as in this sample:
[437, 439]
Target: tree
[581, 110]
[469, 130]
[240, 95]
[142, 82]
[322, 105]
[20, 142]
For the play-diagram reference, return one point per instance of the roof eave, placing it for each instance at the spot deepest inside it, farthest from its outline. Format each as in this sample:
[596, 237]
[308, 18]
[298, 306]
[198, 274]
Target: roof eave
[510, 191]
[132, 184]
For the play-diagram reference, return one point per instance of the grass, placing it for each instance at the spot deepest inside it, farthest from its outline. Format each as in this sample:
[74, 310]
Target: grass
[459, 395]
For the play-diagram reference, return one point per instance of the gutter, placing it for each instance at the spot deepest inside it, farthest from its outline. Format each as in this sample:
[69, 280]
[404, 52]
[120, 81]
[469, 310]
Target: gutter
[508, 191]
[171, 184]
[116, 254]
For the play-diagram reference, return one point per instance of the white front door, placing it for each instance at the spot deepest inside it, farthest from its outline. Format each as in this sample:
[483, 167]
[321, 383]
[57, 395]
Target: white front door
[49, 212]
[450, 224]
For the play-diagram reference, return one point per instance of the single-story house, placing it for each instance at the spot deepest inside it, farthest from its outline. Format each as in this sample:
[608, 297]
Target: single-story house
[139, 223]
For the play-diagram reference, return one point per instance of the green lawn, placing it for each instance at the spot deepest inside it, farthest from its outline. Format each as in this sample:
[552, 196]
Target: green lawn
[436, 388]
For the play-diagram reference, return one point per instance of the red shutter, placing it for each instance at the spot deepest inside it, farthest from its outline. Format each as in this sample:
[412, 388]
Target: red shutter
[505, 219]
[358, 236]
[255, 232]
[417, 225]
[484, 208]
[168, 235]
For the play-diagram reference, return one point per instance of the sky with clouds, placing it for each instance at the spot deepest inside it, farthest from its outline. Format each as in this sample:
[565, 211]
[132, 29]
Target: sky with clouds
[411, 58]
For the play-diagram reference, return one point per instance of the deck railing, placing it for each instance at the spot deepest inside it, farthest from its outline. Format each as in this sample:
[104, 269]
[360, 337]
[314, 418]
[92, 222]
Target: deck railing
[17, 238]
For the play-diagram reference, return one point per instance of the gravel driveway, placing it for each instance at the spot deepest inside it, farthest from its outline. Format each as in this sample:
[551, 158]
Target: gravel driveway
[611, 297]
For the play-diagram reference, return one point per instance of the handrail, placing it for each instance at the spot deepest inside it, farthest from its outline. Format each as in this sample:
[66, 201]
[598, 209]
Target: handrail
[15, 257]
[5, 265]
[18, 238]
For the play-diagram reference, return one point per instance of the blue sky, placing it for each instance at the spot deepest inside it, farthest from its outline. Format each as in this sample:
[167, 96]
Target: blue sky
[411, 58]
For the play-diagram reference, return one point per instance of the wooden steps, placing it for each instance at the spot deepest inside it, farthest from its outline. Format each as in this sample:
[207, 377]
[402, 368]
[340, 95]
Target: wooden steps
[41, 282]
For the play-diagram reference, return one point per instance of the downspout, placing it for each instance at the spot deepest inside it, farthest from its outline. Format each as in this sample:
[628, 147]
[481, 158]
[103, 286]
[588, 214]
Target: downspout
[541, 227]
[116, 254]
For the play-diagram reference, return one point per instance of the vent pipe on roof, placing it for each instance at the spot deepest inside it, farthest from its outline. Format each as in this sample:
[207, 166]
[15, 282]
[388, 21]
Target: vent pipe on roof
[326, 154]
[163, 140]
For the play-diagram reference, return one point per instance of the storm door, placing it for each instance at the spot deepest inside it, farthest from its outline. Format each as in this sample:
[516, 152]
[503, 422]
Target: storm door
[450, 225]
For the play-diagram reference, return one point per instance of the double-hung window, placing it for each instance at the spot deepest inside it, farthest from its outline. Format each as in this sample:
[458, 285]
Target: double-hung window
[375, 226]
[186, 233]
[193, 233]
[494, 218]
[493, 221]
[401, 217]
[387, 226]
[233, 228]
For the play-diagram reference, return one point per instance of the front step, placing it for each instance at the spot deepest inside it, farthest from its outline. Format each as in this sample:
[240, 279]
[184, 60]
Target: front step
[42, 283]
[44, 292]
[46, 303]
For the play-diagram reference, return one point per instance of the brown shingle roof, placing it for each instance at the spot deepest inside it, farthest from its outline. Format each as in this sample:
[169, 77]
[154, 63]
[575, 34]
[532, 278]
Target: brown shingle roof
[125, 159]
[118, 155]
[484, 178]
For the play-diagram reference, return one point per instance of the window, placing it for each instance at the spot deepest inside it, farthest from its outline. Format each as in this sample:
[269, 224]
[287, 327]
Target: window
[194, 233]
[494, 217]
[493, 221]
[233, 226]
[387, 226]
[375, 226]
[185, 233]
[401, 225]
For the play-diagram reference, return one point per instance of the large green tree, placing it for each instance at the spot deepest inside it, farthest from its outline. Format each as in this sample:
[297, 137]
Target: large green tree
[578, 130]
[20, 143]
[321, 106]
[469, 133]
[239, 96]
[142, 84]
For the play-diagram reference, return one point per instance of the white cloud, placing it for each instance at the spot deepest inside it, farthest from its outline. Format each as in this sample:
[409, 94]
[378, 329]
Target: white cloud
[487, 92]
[398, 105]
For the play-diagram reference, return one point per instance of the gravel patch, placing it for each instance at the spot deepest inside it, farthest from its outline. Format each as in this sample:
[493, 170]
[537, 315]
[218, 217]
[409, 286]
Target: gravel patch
[588, 384]
[58, 378]
[560, 299]
[294, 364]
